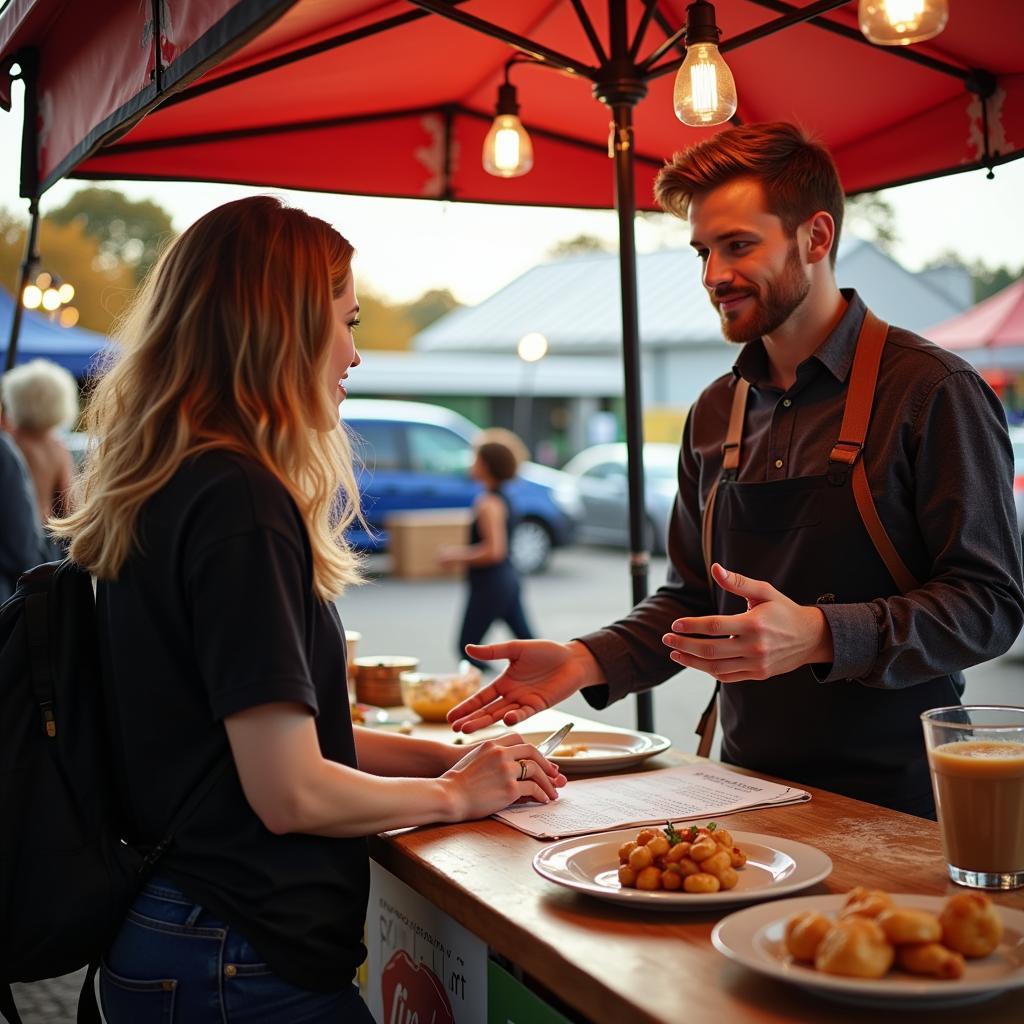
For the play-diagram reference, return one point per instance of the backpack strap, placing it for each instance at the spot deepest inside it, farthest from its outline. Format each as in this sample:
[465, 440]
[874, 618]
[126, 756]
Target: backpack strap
[848, 450]
[7, 1005]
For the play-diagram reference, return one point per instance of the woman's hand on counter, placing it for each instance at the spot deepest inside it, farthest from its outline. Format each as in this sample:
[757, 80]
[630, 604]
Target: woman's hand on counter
[539, 675]
[499, 772]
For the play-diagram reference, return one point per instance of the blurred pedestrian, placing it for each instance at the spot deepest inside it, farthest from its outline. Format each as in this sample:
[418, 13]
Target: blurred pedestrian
[40, 398]
[22, 544]
[494, 587]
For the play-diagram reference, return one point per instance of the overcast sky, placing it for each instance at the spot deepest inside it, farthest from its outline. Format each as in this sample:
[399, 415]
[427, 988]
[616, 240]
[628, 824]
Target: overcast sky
[408, 246]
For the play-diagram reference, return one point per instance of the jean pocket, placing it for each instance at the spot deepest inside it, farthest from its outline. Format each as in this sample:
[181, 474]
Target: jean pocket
[130, 1001]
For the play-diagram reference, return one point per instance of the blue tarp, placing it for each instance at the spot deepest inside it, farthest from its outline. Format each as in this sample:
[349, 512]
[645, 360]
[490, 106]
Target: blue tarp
[74, 348]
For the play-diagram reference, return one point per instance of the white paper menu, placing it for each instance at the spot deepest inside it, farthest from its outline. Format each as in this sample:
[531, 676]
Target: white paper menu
[701, 790]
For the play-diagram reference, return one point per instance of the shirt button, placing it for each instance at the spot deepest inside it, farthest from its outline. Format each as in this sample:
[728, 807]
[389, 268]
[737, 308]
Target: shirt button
[230, 970]
[778, 463]
[787, 402]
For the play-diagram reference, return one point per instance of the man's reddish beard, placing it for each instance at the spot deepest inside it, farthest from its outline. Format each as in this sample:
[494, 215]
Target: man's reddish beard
[770, 310]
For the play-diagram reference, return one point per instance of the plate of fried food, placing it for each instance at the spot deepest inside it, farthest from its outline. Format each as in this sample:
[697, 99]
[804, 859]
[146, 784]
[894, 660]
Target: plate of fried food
[682, 867]
[585, 753]
[889, 951]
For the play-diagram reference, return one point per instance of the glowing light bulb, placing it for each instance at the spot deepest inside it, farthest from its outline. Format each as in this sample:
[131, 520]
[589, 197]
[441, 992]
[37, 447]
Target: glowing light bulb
[705, 91]
[66, 292]
[51, 299]
[68, 316]
[508, 151]
[901, 22]
[32, 296]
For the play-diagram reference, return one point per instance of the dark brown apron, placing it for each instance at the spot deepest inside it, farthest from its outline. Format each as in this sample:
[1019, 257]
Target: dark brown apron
[818, 539]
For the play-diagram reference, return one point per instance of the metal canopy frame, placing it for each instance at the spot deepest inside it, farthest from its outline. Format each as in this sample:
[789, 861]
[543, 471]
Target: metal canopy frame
[619, 79]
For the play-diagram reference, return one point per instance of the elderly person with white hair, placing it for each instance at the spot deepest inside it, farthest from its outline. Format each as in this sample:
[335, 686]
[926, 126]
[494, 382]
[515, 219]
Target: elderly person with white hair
[39, 398]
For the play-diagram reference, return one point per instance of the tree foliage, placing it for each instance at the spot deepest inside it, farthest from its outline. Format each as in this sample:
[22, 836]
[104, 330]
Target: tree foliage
[871, 216]
[987, 280]
[101, 289]
[128, 231]
[577, 246]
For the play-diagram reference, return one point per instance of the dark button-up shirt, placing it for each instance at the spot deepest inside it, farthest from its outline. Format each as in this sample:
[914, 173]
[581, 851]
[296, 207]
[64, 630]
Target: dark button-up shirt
[940, 466]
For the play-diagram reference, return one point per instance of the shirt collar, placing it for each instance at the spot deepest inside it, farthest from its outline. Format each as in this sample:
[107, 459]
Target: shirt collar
[835, 353]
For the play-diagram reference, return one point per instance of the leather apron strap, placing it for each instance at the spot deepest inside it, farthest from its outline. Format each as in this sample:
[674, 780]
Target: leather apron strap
[849, 449]
[730, 464]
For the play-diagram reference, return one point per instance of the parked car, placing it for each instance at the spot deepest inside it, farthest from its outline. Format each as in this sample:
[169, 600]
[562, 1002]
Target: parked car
[600, 474]
[417, 456]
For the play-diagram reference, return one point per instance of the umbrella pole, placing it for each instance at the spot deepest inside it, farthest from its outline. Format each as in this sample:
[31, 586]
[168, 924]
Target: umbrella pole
[620, 88]
[27, 265]
[28, 61]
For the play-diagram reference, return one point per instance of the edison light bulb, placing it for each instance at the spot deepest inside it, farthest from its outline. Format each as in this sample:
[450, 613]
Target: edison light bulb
[705, 92]
[900, 22]
[508, 151]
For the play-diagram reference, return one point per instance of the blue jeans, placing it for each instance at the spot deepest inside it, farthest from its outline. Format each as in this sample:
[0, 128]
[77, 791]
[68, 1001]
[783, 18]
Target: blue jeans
[173, 962]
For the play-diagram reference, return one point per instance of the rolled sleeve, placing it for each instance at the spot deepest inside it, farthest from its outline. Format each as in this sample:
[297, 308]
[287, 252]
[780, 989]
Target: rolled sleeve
[855, 640]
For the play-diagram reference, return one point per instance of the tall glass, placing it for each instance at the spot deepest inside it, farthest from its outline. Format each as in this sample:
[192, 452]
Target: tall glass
[976, 754]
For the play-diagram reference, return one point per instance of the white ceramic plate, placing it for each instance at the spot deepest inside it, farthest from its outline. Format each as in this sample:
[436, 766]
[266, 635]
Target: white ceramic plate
[774, 867]
[755, 937]
[604, 750]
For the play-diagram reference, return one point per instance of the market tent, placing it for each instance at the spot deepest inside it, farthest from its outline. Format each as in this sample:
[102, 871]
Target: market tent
[386, 98]
[394, 97]
[74, 348]
[996, 322]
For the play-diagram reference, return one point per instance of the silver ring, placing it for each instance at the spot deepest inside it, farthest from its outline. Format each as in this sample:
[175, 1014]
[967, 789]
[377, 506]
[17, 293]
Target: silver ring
[524, 768]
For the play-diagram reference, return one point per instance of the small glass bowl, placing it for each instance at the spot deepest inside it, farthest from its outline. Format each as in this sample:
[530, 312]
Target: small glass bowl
[431, 695]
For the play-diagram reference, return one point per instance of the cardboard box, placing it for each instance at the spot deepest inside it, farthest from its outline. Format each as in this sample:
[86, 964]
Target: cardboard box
[414, 539]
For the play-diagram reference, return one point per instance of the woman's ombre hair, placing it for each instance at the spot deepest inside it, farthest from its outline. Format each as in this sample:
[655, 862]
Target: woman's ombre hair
[225, 347]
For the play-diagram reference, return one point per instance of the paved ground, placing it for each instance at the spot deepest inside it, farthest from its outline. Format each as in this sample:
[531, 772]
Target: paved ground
[584, 588]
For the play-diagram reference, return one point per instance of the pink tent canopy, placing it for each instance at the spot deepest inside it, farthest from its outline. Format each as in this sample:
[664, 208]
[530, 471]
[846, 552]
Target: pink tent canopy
[998, 322]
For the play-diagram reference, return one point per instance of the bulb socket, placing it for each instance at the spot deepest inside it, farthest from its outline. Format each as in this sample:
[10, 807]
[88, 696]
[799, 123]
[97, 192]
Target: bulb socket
[507, 102]
[700, 24]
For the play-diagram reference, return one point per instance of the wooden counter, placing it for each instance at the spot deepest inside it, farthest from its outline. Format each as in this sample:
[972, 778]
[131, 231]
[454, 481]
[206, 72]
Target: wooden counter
[615, 965]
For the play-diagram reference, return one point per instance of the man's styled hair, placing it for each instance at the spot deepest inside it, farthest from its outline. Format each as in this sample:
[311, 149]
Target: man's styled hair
[797, 173]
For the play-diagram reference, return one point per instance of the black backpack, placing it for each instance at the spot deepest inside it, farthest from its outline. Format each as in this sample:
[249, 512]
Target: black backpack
[66, 877]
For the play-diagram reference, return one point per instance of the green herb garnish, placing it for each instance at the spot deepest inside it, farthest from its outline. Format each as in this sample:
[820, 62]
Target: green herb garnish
[671, 834]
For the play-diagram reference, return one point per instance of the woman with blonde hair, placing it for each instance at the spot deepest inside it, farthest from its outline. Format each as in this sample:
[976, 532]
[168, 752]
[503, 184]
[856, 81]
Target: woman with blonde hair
[210, 513]
[39, 398]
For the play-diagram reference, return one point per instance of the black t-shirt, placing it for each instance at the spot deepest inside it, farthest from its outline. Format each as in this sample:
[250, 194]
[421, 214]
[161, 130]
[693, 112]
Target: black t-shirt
[215, 613]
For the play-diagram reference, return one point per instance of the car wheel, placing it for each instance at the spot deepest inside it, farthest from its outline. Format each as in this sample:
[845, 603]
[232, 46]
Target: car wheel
[530, 546]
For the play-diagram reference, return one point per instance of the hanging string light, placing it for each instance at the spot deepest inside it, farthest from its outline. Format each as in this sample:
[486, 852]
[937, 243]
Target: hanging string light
[901, 22]
[705, 92]
[508, 151]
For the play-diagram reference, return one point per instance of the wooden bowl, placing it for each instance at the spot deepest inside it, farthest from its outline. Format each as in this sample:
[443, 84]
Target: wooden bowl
[378, 678]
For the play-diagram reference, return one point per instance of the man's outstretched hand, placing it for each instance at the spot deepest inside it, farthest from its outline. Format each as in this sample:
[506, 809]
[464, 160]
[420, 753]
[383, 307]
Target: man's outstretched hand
[774, 635]
[539, 675]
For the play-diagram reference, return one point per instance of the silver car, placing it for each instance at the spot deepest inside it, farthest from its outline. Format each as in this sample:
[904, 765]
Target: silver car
[600, 473]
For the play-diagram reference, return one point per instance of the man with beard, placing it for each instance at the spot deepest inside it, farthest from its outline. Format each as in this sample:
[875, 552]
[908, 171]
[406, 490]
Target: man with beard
[844, 540]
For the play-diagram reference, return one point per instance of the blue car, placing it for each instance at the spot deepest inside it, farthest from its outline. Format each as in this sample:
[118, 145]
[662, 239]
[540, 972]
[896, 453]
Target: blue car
[417, 456]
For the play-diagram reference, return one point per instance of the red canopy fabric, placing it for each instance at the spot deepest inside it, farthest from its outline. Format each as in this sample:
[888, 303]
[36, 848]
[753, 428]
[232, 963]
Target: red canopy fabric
[383, 98]
[997, 322]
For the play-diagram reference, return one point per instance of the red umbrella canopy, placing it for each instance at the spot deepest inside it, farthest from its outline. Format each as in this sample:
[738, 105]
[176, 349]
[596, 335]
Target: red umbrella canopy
[997, 322]
[391, 99]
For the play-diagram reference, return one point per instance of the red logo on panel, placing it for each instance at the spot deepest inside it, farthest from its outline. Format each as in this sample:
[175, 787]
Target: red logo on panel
[412, 993]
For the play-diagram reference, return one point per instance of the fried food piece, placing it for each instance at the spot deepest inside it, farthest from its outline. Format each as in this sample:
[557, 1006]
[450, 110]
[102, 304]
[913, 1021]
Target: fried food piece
[649, 879]
[627, 876]
[739, 858]
[804, 932]
[931, 958]
[703, 848]
[717, 863]
[861, 902]
[701, 882]
[903, 926]
[640, 858]
[855, 947]
[672, 878]
[971, 924]
[625, 850]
